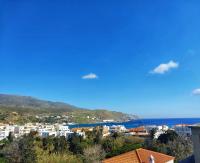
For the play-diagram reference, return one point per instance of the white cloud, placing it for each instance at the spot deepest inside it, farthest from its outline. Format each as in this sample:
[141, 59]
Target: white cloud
[165, 67]
[196, 91]
[90, 76]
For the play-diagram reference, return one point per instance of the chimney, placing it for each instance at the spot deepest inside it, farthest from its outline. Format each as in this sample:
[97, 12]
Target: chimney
[151, 159]
[196, 142]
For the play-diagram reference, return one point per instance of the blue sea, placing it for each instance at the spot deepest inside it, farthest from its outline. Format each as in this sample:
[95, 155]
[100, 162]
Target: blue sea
[144, 122]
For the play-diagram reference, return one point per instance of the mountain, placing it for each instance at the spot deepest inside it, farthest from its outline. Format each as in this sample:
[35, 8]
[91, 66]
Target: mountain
[22, 109]
[32, 103]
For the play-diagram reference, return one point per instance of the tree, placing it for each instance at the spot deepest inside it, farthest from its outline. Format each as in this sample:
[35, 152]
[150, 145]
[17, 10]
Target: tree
[170, 135]
[121, 144]
[107, 145]
[115, 135]
[26, 148]
[98, 137]
[10, 137]
[180, 148]
[174, 145]
[59, 158]
[118, 143]
[60, 144]
[75, 144]
[45, 143]
[152, 133]
[93, 154]
[11, 152]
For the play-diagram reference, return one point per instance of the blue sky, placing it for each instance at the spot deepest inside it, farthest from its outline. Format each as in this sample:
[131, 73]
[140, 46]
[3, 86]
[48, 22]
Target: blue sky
[135, 56]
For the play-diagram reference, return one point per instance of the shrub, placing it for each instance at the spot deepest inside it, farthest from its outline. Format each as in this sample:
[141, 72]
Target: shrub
[59, 158]
[93, 154]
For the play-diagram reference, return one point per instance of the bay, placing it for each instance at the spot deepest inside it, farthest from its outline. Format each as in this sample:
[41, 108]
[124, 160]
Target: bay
[145, 122]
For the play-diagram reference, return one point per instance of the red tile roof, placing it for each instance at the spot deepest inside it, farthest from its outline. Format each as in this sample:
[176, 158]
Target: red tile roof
[139, 156]
[144, 156]
[138, 129]
[129, 157]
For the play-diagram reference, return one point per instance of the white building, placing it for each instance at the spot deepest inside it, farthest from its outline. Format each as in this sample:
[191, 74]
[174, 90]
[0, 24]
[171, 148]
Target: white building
[44, 130]
[159, 130]
[63, 130]
[4, 134]
[118, 128]
[183, 130]
[108, 120]
[106, 131]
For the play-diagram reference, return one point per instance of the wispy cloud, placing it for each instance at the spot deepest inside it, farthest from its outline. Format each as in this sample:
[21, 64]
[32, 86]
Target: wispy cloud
[165, 67]
[90, 76]
[196, 91]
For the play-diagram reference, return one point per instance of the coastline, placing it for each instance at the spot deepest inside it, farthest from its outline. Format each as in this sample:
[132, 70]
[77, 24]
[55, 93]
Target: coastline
[144, 122]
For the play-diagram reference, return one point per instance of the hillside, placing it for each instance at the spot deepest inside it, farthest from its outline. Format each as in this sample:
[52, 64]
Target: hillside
[21, 109]
[32, 103]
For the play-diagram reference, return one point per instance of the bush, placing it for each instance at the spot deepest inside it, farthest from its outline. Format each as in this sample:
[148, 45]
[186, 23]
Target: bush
[26, 147]
[59, 158]
[179, 147]
[93, 154]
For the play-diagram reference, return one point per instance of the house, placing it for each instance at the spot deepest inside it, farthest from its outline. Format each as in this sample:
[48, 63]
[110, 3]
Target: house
[63, 128]
[183, 129]
[139, 131]
[4, 134]
[140, 156]
[108, 120]
[85, 129]
[81, 131]
[106, 131]
[118, 128]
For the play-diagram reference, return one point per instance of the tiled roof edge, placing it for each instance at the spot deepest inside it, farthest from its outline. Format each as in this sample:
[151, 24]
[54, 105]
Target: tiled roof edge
[138, 155]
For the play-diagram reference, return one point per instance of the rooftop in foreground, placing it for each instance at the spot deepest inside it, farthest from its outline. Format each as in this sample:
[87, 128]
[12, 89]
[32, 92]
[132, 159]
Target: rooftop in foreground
[139, 156]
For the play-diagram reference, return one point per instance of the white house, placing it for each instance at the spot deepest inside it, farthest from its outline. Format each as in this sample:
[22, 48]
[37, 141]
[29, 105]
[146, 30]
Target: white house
[4, 134]
[118, 128]
[183, 129]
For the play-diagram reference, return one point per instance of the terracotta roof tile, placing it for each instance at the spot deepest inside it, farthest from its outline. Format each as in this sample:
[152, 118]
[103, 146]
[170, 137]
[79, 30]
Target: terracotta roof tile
[139, 156]
[138, 129]
[144, 155]
[129, 157]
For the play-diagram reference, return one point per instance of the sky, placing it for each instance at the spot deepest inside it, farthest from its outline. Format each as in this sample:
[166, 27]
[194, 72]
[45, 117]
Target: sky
[135, 56]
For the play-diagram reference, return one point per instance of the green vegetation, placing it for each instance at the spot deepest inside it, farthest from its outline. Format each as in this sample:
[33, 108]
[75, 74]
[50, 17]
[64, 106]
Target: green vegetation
[93, 154]
[119, 144]
[172, 144]
[92, 149]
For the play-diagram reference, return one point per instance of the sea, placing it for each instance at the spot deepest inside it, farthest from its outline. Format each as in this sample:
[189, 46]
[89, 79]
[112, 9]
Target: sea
[145, 122]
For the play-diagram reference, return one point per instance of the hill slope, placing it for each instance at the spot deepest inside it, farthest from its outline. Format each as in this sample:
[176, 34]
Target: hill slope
[32, 103]
[21, 109]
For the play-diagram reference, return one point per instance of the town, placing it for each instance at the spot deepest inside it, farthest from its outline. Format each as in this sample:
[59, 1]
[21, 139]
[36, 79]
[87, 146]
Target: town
[141, 133]
[45, 130]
